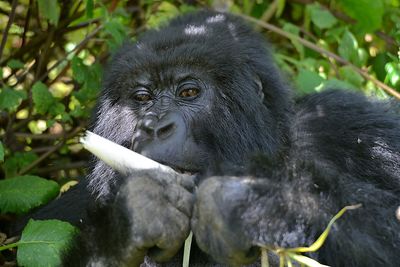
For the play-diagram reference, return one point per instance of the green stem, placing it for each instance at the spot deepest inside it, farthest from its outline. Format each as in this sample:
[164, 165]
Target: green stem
[12, 245]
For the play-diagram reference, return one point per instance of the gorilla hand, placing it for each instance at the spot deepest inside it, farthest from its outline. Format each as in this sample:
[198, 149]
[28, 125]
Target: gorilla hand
[155, 207]
[232, 215]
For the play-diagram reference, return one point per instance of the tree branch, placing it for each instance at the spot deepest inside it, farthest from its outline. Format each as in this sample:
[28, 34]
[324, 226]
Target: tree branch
[327, 53]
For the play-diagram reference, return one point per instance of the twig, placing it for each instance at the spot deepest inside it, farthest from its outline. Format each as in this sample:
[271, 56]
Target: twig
[7, 28]
[327, 53]
[67, 166]
[48, 153]
[79, 46]
[26, 25]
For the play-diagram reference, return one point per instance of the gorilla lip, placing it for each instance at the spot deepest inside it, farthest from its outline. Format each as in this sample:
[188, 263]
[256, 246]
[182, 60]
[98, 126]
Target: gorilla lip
[118, 157]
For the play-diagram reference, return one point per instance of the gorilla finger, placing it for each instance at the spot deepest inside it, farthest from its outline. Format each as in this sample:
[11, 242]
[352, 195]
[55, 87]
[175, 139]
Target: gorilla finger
[180, 199]
[135, 257]
[173, 237]
[187, 181]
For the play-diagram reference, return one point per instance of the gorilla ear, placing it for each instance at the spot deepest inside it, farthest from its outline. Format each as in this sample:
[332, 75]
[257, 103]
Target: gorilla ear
[259, 86]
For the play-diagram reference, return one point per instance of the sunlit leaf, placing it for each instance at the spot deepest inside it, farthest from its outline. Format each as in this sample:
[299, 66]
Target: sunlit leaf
[43, 243]
[393, 72]
[21, 194]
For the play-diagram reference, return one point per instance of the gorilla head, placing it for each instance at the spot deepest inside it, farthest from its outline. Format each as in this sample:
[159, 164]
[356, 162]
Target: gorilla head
[188, 98]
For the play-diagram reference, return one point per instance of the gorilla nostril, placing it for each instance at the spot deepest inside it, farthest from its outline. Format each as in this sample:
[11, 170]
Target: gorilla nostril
[165, 131]
[148, 126]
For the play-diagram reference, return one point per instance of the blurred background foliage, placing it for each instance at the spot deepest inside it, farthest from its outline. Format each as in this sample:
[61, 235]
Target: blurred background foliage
[53, 52]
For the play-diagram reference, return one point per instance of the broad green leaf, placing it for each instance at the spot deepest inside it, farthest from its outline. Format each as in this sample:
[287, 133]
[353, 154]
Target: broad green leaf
[322, 18]
[50, 10]
[1, 151]
[368, 13]
[21, 194]
[43, 243]
[307, 81]
[17, 161]
[15, 64]
[10, 99]
[42, 98]
[348, 46]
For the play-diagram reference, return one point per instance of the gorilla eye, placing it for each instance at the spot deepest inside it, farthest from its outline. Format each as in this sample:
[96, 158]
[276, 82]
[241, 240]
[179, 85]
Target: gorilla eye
[189, 92]
[142, 96]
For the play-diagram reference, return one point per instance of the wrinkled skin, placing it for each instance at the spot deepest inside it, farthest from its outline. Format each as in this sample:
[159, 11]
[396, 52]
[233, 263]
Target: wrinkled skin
[203, 96]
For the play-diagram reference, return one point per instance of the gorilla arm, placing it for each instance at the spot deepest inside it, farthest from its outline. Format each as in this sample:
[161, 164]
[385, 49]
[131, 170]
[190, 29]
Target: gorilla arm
[150, 213]
[232, 215]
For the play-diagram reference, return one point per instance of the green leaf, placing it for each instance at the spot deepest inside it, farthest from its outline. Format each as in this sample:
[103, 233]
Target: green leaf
[368, 13]
[116, 30]
[336, 84]
[165, 12]
[293, 29]
[348, 46]
[280, 8]
[17, 161]
[89, 8]
[79, 69]
[43, 243]
[50, 10]
[307, 81]
[15, 64]
[1, 151]
[10, 99]
[393, 72]
[322, 18]
[42, 98]
[21, 194]
[348, 74]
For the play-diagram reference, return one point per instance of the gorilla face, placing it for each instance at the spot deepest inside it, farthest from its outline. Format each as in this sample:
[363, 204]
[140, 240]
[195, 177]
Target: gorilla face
[167, 108]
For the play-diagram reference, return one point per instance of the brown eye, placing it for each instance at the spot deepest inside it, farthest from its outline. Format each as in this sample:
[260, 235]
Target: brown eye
[142, 97]
[189, 92]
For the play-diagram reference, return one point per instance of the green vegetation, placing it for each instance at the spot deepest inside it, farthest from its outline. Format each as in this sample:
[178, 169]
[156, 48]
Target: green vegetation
[52, 55]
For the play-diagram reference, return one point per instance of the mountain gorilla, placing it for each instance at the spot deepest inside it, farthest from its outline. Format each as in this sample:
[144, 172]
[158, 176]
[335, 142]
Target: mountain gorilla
[203, 96]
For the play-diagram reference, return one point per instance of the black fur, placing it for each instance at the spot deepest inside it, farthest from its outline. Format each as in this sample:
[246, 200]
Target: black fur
[297, 163]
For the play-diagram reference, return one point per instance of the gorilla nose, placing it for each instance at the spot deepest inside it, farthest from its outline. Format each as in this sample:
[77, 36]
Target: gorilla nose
[158, 129]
